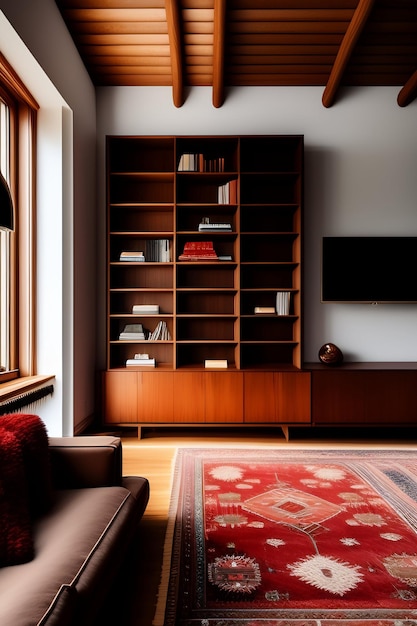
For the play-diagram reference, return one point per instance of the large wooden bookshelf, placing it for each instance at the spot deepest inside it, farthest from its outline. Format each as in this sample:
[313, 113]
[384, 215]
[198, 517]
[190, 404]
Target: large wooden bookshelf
[156, 192]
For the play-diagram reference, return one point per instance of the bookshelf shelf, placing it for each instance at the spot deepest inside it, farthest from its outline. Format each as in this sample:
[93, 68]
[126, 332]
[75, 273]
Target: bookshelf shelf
[159, 191]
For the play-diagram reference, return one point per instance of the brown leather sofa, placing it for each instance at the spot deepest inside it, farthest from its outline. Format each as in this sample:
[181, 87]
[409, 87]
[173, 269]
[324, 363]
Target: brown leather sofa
[80, 542]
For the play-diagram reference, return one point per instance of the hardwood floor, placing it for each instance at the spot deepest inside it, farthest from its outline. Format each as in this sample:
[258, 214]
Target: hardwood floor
[153, 456]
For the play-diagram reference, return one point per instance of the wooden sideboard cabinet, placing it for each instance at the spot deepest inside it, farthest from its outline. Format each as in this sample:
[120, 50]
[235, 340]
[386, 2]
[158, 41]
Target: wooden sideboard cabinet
[361, 394]
[184, 397]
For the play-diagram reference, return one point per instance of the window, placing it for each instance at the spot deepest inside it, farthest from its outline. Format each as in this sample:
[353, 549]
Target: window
[17, 256]
[5, 255]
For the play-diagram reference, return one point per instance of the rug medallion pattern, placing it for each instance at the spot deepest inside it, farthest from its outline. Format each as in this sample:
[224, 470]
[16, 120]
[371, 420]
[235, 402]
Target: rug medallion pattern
[294, 538]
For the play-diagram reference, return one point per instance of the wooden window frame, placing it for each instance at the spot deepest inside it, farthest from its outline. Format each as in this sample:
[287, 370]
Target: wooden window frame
[23, 240]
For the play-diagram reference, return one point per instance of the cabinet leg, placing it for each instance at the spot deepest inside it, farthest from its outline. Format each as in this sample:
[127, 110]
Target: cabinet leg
[286, 431]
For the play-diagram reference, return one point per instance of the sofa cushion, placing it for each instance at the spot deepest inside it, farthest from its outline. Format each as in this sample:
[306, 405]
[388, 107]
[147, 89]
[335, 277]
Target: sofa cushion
[33, 437]
[16, 545]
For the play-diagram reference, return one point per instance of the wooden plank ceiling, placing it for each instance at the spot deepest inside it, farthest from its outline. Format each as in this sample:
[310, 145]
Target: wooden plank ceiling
[231, 43]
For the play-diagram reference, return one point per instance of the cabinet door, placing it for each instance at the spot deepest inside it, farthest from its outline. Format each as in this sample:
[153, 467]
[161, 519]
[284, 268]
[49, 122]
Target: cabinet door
[224, 397]
[338, 397]
[364, 397]
[260, 397]
[279, 397]
[155, 397]
[189, 397]
[120, 397]
[293, 397]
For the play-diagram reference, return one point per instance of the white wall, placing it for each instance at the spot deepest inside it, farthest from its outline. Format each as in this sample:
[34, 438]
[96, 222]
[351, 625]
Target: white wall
[45, 58]
[360, 178]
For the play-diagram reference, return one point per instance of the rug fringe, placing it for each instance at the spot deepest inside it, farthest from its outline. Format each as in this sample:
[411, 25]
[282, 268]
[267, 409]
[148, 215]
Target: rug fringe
[159, 617]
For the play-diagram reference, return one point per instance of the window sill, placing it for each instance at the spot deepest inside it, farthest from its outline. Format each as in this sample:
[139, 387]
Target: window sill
[19, 386]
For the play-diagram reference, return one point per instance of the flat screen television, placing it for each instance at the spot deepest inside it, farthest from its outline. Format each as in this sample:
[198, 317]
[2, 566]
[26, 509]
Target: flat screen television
[369, 269]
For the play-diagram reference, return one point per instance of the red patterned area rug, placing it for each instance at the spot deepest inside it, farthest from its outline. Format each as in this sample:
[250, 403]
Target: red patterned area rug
[291, 538]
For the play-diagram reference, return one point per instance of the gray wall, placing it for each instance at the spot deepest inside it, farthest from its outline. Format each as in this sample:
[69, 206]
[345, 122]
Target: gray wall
[360, 179]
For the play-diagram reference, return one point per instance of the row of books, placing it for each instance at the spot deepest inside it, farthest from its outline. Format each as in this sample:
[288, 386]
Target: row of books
[136, 332]
[161, 333]
[197, 162]
[156, 251]
[227, 193]
[283, 302]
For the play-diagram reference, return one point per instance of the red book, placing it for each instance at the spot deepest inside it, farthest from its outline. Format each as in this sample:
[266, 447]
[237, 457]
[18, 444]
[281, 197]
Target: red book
[198, 251]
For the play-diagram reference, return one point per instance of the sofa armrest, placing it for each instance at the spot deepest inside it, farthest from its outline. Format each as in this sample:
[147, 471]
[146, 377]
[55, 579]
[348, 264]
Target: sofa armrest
[78, 462]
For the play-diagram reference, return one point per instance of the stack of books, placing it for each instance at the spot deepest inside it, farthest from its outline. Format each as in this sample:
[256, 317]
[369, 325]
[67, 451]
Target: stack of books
[264, 310]
[141, 360]
[132, 332]
[198, 251]
[215, 226]
[132, 256]
[145, 309]
[215, 363]
[160, 333]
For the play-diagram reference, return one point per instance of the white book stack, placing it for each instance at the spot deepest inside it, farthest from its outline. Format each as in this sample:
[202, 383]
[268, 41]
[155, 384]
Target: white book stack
[214, 227]
[145, 309]
[140, 360]
[132, 332]
[134, 256]
[283, 302]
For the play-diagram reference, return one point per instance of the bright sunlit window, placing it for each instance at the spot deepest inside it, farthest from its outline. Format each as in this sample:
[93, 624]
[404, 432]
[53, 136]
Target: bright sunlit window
[5, 245]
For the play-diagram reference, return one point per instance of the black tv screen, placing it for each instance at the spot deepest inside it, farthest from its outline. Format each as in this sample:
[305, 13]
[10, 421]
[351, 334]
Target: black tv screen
[369, 269]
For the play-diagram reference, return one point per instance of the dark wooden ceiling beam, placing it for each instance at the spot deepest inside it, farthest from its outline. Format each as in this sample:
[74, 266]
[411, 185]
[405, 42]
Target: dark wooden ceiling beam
[174, 34]
[346, 49]
[219, 26]
[409, 92]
